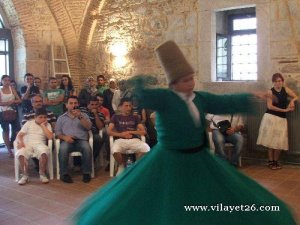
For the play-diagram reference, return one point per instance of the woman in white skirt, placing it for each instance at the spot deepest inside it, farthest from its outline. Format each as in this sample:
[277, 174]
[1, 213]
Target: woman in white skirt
[273, 131]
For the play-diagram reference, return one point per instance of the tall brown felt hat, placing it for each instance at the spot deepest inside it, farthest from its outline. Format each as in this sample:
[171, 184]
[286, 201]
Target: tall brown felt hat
[173, 61]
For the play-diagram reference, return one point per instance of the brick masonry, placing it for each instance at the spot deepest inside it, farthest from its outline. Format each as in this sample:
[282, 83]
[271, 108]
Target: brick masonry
[88, 28]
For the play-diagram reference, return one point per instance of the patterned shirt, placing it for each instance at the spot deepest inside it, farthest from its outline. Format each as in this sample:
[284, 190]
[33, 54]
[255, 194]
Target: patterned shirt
[91, 116]
[125, 123]
[30, 116]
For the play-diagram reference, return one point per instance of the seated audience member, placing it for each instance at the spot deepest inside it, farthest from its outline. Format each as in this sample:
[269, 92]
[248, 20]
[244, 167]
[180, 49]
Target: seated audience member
[152, 118]
[97, 120]
[102, 109]
[126, 129]
[72, 129]
[108, 96]
[231, 135]
[54, 98]
[27, 92]
[87, 92]
[37, 104]
[106, 114]
[150, 126]
[31, 139]
[101, 86]
[38, 83]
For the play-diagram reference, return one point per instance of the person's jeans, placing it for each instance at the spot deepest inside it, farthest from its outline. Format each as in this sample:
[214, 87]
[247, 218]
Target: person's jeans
[97, 145]
[219, 141]
[81, 146]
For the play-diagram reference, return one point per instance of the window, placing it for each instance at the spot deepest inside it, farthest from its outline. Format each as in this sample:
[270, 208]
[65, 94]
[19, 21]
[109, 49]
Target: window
[1, 22]
[4, 57]
[236, 47]
[6, 50]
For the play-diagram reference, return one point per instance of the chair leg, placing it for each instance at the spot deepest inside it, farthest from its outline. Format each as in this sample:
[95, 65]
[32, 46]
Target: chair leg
[240, 161]
[57, 167]
[93, 169]
[50, 166]
[111, 165]
[17, 168]
[101, 156]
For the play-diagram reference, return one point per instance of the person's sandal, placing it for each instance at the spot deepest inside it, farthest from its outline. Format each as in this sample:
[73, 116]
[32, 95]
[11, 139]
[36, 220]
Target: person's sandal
[270, 164]
[23, 180]
[11, 154]
[278, 166]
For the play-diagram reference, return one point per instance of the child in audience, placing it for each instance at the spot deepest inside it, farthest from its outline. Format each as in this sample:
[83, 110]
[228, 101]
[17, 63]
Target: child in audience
[31, 140]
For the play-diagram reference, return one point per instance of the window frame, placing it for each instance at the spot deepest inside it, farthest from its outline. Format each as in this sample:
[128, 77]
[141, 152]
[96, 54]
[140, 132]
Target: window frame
[5, 34]
[230, 34]
[228, 58]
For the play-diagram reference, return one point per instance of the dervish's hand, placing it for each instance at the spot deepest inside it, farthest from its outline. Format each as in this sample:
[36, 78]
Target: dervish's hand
[265, 95]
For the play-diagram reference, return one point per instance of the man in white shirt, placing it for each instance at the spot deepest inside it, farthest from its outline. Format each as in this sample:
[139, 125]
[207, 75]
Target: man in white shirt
[230, 135]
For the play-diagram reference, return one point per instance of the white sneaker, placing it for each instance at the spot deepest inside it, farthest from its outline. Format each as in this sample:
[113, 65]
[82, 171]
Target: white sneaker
[44, 179]
[120, 169]
[23, 180]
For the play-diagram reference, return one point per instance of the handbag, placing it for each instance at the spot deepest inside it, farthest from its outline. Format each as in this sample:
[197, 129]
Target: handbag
[9, 115]
[223, 126]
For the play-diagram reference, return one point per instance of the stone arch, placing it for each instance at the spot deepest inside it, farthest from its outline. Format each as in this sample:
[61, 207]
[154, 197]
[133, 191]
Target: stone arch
[74, 28]
[33, 29]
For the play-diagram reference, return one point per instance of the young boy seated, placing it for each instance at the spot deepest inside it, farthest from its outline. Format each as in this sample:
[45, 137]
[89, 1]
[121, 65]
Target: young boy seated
[126, 128]
[32, 139]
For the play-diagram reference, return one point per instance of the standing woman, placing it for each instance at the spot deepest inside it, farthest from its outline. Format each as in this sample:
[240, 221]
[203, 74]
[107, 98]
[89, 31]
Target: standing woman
[67, 86]
[273, 131]
[38, 83]
[8, 101]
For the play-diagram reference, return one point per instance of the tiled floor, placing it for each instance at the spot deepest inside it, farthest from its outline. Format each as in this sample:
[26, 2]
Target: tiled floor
[52, 203]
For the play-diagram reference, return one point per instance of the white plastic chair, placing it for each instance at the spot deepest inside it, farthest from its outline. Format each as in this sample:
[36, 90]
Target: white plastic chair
[101, 156]
[73, 154]
[112, 159]
[49, 163]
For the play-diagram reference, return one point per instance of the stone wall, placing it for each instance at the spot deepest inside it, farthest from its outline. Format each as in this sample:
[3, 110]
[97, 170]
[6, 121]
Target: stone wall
[142, 25]
[33, 29]
[89, 27]
[145, 24]
[278, 43]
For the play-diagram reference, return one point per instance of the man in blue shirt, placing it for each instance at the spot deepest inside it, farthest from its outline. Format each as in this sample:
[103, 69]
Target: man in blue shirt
[97, 119]
[72, 129]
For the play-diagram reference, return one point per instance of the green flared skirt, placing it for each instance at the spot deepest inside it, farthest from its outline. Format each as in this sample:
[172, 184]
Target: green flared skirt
[170, 187]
